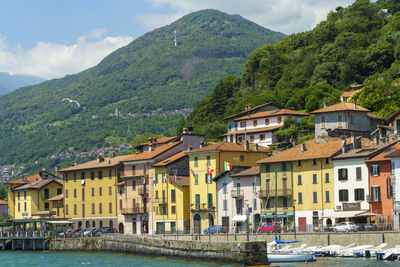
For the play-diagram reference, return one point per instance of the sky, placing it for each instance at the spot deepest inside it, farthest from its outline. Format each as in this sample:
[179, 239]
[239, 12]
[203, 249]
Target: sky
[50, 39]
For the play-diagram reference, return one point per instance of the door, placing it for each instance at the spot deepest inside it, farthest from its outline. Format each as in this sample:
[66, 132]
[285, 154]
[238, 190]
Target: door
[134, 225]
[284, 186]
[173, 227]
[267, 187]
[302, 224]
[225, 223]
[197, 224]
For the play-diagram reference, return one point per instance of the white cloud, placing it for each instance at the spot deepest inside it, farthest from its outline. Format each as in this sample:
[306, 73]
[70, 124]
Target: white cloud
[287, 16]
[51, 60]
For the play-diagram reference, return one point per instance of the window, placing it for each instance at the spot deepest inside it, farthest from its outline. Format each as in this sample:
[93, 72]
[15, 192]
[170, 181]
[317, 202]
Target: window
[74, 193]
[109, 173]
[327, 197]
[156, 194]
[100, 208]
[375, 193]
[173, 209]
[208, 160]
[196, 161]
[157, 212]
[339, 121]
[66, 177]
[254, 203]
[173, 197]
[92, 175]
[110, 190]
[110, 207]
[326, 160]
[314, 162]
[74, 176]
[300, 197]
[196, 179]
[83, 194]
[82, 175]
[225, 190]
[375, 170]
[156, 178]
[359, 194]
[241, 157]
[283, 166]
[66, 193]
[343, 195]
[240, 139]
[100, 191]
[74, 209]
[266, 121]
[267, 167]
[133, 185]
[44, 194]
[59, 191]
[210, 200]
[251, 138]
[342, 174]
[208, 178]
[66, 209]
[197, 201]
[268, 206]
[24, 206]
[299, 182]
[120, 189]
[254, 186]
[299, 163]
[18, 195]
[243, 124]
[358, 174]
[93, 208]
[279, 120]
[284, 200]
[314, 178]
[255, 123]
[262, 137]
[315, 197]
[121, 204]
[225, 204]
[327, 177]
[92, 191]
[46, 206]
[19, 207]
[323, 122]
[164, 210]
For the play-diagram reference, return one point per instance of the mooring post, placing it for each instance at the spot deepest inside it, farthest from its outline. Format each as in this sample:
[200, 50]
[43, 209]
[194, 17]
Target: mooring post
[329, 239]
[383, 237]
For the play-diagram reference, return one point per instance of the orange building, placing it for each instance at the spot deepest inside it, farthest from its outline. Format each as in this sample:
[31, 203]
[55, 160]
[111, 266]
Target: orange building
[380, 185]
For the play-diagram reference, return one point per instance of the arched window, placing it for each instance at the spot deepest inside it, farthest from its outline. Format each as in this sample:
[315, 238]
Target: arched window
[87, 224]
[79, 224]
[111, 224]
[101, 224]
[93, 224]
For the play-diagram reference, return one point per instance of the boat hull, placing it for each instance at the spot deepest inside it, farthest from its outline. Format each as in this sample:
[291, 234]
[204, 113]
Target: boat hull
[289, 257]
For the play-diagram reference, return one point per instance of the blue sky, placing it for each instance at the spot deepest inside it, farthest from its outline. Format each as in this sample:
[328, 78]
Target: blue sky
[52, 38]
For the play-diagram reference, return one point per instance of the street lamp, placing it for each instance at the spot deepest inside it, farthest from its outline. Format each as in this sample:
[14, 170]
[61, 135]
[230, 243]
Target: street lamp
[294, 217]
[247, 213]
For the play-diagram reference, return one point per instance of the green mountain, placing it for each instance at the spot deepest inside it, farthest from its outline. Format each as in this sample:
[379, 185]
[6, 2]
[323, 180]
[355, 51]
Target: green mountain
[147, 78]
[357, 44]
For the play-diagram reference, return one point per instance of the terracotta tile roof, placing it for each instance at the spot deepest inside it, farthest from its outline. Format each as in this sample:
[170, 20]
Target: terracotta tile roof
[252, 109]
[356, 85]
[149, 155]
[314, 149]
[393, 116]
[161, 140]
[386, 154]
[3, 202]
[107, 162]
[228, 146]
[56, 198]
[258, 130]
[171, 159]
[347, 94]
[373, 116]
[272, 113]
[342, 106]
[368, 148]
[249, 172]
[38, 184]
[183, 180]
[29, 179]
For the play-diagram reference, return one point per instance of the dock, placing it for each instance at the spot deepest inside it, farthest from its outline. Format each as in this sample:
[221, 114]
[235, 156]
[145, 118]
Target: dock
[21, 240]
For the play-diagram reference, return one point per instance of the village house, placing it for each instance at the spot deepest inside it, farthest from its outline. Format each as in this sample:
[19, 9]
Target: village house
[395, 190]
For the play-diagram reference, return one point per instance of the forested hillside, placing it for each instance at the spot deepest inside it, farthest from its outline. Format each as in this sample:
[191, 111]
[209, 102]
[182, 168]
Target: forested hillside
[357, 44]
[132, 91]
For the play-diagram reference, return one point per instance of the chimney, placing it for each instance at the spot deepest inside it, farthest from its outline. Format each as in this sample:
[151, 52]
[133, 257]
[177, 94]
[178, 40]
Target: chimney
[99, 159]
[24, 177]
[303, 147]
[150, 147]
[44, 169]
[325, 105]
[57, 171]
[189, 148]
[343, 144]
[256, 147]
[155, 139]
[201, 144]
[355, 105]
[185, 131]
[246, 145]
[150, 140]
[113, 154]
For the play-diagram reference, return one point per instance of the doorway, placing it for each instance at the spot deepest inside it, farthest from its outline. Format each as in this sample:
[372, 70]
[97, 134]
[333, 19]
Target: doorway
[121, 228]
[197, 223]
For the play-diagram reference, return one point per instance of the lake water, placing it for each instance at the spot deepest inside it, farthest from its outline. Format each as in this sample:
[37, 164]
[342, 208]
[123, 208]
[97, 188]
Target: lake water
[68, 259]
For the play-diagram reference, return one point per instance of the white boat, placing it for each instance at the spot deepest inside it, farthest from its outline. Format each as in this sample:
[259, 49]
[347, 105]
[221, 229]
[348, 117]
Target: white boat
[290, 257]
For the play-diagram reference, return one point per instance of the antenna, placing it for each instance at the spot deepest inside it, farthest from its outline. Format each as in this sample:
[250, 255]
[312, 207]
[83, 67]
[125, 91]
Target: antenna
[175, 39]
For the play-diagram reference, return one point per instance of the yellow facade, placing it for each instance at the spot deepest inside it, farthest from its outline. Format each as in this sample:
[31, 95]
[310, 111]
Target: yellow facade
[316, 181]
[90, 196]
[27, 203]
[171, 210]
[203, 193]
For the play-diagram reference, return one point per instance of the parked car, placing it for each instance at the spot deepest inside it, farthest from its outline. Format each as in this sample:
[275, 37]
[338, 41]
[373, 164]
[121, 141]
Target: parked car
[345, 227]
[214, 229]
[79, 233]
[71, 234]
[88, 232]
[108, 231]
[63, 234]
[270, 228]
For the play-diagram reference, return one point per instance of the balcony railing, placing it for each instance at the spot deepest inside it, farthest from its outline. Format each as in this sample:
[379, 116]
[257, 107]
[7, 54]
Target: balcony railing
[201, 207]
[160, 201]
[134, 210]
[132, 173]
[235, 193]
[143, 190]
[271, 193]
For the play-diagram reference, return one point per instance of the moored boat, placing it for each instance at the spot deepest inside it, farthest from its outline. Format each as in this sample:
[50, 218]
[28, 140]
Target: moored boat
[290, 257]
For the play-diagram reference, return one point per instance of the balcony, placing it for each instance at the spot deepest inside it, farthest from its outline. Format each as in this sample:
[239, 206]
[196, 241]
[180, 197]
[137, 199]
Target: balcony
[376, 200]
[132, 173]
[271, 193]
[143, 191]
[235, 193]
[135, 210]
[201, 207]
[160, 201]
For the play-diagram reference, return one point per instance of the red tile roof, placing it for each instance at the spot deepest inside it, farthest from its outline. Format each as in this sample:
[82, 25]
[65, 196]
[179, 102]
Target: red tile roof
[3, 202]
[228, 146]
[251, 109]
[257, 130]
[272, 113]
[342, 106]
[248, 172]
[150, 155]
[347, 94]
[106, 162]
[386, 154]
[39, 184]
[171, 159]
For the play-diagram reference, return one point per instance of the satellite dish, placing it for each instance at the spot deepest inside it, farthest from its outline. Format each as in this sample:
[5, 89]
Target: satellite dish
[83, 181]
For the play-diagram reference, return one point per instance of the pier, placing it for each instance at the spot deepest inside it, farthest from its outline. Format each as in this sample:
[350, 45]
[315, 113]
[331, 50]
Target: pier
[21, 240]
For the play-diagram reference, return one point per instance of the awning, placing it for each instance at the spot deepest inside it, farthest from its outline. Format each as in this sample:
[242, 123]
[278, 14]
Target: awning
[365, 214]
[239, 218]
[121, 183]
[60, 222]
[342, 214]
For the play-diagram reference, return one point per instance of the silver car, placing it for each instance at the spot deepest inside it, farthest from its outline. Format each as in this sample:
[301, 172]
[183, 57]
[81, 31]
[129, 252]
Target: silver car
[345, 227]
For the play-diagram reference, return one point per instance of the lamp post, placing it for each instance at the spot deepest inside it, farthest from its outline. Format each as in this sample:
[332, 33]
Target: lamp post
[294, 217]
[247, 213]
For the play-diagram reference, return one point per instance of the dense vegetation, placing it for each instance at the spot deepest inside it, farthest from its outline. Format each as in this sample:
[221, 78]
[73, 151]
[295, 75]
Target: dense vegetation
[149, 75]
[357, 44]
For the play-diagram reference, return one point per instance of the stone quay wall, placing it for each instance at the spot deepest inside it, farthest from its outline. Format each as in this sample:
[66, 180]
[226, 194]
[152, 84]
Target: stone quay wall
[247, 253]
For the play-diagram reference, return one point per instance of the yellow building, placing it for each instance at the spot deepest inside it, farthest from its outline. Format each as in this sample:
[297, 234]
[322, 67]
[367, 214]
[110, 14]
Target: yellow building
[171, 195]
[310, 168]
[202, 187]
[30, 196]
[90, 192]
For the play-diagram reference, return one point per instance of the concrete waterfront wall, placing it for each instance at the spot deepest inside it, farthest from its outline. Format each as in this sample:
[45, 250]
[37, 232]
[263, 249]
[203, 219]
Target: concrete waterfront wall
[250, 253]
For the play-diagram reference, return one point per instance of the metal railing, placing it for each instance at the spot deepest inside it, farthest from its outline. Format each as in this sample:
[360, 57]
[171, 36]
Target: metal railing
[160, 200]
[271, 193]
[235, 193]
[134, 210]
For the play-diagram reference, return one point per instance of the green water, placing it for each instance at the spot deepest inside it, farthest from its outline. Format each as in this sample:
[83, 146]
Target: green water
[68, 259]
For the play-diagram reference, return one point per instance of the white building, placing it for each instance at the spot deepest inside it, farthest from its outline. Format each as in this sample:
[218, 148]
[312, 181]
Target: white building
[395, 158]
